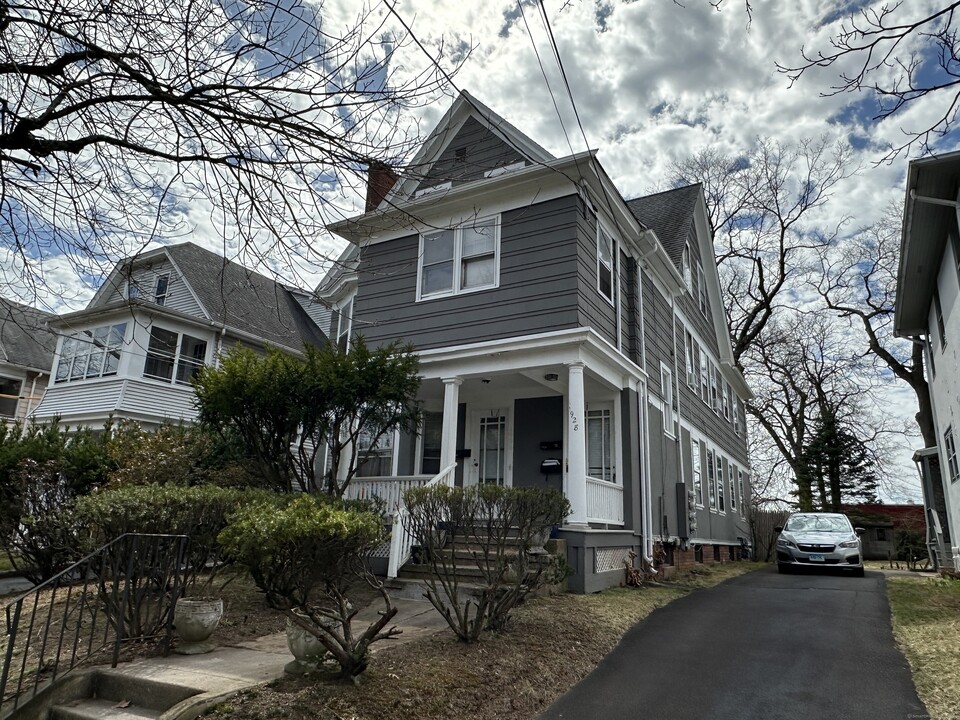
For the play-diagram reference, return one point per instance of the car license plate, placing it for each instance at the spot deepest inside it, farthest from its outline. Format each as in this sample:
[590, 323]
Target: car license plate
[815, 557]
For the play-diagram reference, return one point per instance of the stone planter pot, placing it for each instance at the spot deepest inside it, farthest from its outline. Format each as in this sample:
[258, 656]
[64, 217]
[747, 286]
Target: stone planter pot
[537, 542]
[194, 620]
[307, 650]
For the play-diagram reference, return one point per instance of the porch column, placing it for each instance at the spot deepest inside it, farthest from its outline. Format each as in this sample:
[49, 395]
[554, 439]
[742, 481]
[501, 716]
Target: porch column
[577, 447]
[448, 438]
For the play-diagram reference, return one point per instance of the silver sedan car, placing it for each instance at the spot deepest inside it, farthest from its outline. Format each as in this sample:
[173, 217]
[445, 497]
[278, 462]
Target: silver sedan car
[819, 540]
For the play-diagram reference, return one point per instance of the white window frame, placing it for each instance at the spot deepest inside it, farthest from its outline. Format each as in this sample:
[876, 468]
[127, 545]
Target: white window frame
[87, 336]
[743, 512]
[711, 479]
[721, 504]
[345, 323]
[702, 289]
[727, 401]
[689, 344]
[686, 269]
[733, 488]
[737, 404]
[384, 448]
[456, 287]
[603, 412]
[666, 389]
[950, 451]
[614, 259]
[177, 356]
[704, 376]
[20, 383]
[696, 465]
[158, 297]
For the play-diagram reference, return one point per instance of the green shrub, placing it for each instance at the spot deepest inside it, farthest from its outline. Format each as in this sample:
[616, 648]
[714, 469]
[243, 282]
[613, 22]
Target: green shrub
[305, 556]
[498, 525]
[199, 512]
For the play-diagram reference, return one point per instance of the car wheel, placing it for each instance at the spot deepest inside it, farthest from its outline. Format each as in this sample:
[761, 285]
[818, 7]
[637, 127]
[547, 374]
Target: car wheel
[784, 569]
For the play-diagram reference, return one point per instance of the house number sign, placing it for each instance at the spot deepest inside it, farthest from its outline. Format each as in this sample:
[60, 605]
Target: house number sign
[575, 421]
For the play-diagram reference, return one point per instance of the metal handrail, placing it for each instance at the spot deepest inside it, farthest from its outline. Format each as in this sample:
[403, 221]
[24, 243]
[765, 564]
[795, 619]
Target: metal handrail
[125, 590]
[401, 539]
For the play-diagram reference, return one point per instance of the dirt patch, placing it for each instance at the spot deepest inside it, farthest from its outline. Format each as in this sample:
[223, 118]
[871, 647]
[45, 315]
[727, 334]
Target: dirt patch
[552, 643]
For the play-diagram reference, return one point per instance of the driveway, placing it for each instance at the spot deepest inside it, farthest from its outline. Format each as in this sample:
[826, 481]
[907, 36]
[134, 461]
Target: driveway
[764, 646]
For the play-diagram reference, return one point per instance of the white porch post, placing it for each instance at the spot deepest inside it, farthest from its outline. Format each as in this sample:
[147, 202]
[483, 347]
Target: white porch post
[448, 437]
[577, 447]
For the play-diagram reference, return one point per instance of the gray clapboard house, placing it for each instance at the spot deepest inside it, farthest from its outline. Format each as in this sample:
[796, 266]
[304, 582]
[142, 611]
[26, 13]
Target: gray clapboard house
[154, 322]
[568, 338]
[26, 353]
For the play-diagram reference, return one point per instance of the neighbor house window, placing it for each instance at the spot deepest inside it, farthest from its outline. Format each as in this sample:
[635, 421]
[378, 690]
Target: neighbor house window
[711, 480]
[938, 308]
[91, 353]
[344, 325]
[697, 472]
[733, 488]
[599, 442]
[951, 450]
[666, 387]
[160, 291]
[173, 356]
[686, 269]
[606, 263]
[430, 438]
[9, 396]
[737, 407]
[461, 259]
[689, 346]
[720, 505]
[743, 510]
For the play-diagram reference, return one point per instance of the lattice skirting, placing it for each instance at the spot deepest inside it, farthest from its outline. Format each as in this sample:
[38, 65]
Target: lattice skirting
[382, 550]
[606, 559]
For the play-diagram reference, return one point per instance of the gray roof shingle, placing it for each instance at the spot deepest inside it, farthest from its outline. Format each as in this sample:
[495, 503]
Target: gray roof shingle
[24, 337]
[670, 215]
[244, 300]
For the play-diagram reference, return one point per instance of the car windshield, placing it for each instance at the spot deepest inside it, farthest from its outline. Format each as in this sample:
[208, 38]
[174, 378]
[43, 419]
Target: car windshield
[817, 523]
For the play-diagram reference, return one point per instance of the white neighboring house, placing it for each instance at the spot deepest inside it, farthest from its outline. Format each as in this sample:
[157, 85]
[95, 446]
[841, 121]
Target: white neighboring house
[156, 320]
[26, 353]
[928, 310]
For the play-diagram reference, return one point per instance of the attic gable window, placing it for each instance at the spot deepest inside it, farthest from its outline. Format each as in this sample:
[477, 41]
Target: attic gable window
[460, 260]
[160, 291]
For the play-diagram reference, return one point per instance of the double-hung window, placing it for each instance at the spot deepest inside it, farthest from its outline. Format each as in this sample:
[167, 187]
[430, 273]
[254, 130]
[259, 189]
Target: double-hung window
[666, 387]
[606, 263]
[951, 451]
[376, 457]
[686, 269]
[704, 377]
[720, 505]
[161, 289]
[733, 488]
[743, 510]
[9, 396]
[737, 405]
[702, 289]
[711, 480]
[697, 472]
[173, 356]
[461, 259]
[599, 444]
[689, 348]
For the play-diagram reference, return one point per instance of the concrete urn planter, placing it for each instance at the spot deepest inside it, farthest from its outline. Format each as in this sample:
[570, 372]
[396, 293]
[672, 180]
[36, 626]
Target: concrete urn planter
[194, 620]
[308, 652]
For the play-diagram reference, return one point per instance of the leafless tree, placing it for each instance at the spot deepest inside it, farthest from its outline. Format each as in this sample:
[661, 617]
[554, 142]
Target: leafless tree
[858, 280]
[759, 204]
[125, 121]
[896, 53]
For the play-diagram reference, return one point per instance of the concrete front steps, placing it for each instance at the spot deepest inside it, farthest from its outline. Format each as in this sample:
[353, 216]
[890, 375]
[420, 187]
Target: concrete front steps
[118, 696]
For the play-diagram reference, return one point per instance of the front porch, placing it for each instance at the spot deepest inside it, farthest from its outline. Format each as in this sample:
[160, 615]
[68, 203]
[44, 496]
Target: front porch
[554, 418]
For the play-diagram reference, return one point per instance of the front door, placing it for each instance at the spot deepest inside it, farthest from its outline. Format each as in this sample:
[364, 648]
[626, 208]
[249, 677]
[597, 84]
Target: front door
[490, 458]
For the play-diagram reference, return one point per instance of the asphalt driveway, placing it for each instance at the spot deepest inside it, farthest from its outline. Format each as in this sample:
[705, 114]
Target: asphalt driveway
[764, 646]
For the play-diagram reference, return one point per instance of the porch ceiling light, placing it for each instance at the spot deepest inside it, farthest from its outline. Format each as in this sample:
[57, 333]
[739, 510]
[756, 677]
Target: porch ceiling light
[551, 377]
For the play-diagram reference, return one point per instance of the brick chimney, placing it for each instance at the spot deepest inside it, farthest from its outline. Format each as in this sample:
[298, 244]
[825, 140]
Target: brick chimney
[380, 179]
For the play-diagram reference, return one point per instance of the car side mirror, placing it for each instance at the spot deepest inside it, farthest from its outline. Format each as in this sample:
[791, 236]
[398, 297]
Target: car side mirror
[778, 528]
[860, 531]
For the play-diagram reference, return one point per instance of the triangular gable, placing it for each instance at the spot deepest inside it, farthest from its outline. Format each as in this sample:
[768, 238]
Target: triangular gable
[489, 140]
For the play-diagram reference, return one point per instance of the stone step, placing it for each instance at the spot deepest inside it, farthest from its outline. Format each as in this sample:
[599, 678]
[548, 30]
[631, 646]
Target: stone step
[151, 694]
[93, 708]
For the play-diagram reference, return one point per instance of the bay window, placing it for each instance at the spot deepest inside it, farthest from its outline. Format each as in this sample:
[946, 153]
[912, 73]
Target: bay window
[90, 353]
[173, 356]
[461, 259]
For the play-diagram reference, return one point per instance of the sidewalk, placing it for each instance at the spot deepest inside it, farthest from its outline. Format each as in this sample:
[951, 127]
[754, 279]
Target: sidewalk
[228, 670]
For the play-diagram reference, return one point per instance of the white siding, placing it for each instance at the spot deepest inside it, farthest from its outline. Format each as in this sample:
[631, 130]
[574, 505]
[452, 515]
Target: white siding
[79, 398]
[162, 400]
[145, 277]
[93, 401]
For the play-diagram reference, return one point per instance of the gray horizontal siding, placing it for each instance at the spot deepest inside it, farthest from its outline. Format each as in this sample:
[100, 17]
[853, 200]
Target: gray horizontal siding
[537, 293]
[481, 150]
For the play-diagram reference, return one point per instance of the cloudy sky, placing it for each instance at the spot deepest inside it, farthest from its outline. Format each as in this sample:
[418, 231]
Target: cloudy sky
[654, 81]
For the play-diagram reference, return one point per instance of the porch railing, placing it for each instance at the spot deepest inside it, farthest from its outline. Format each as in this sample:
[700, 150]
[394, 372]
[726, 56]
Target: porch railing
[388, 489]
[126, 590]
[604, 502]
[401, 539]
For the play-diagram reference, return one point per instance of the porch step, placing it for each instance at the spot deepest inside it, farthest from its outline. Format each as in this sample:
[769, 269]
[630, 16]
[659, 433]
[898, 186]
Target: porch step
[118, 696]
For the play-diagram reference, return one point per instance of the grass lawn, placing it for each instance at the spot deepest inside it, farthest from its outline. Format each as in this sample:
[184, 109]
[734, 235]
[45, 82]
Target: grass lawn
[926, 623]
[5, 564]
[552, 643]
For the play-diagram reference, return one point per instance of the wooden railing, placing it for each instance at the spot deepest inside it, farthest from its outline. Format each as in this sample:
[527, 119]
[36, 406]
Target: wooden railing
[388, 489]
[401, 540]
[604, 502]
